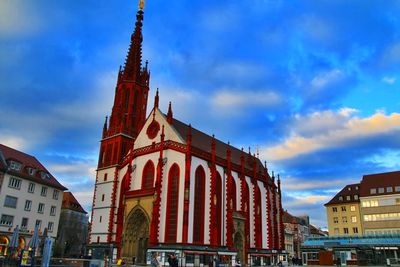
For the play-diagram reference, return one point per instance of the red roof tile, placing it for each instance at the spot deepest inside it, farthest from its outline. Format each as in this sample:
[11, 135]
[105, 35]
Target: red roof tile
[8, 153]
[70, 202]
[350, 191]
[380, 180]
[203, 142]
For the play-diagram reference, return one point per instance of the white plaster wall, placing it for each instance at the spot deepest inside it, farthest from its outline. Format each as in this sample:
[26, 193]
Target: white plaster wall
[169, 132]
[140, 162]
[195, 163]
[235, 176]
[102, 208]
[251, 211]
[22, 195]
[178, 158]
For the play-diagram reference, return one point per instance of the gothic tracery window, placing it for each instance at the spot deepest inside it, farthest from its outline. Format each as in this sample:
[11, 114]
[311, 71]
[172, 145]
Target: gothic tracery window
[148, 175]
[199, 189]
[172, 206]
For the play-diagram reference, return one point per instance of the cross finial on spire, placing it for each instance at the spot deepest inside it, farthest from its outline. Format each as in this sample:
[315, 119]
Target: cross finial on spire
[141, 4]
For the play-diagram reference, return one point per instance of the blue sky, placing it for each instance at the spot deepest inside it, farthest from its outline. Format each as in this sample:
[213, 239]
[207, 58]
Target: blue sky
[313, 85]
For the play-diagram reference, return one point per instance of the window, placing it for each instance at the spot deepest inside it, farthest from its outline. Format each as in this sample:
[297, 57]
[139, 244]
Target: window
[355, 230]
[24, 223]
[334, 209]
[352, 208]
[38, 223]
[148, 175]
[105, 177]
[15, 183]
[199, 194]
[389, 189]
[172, 205]
[349, 188]
[101, 217]
[353, 219]
[40, 208]
[28, 205]
[50, 227]
[344, 219]
[372, 191]
[44, 175]
[44, 191]
[397, 201]
[335, 220]
[6, 220]
[343, 208]
[53, 210]
[345, 230]
[31, 188]
[347, 197]
[336, 231]
[397, 188]
[10, 202]
[356, 187]
[55, 194]
[31, 171]
[341, 198]
[355, 197]
[381, 190]
[15, 165]
[102, 197]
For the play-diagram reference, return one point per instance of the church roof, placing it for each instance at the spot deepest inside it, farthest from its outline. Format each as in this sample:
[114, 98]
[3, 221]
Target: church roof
[69, 202]
[8, 154]
[203, 142]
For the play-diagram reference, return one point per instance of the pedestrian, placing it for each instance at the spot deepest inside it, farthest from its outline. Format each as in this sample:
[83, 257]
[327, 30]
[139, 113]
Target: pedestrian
[154, 261]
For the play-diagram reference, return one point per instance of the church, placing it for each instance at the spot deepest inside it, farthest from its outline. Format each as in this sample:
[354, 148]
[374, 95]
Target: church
[165, 187]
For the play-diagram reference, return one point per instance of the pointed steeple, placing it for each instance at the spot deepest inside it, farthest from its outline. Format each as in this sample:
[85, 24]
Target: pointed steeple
[133, 65]
[169, 114]
[156, 99]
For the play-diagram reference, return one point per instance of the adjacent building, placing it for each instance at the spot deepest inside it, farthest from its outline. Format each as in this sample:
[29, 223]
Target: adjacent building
[364, 224]
[299, 227]
[72, 235]
[163, 186]
[343, 212]
[29, 196]
[380, 203]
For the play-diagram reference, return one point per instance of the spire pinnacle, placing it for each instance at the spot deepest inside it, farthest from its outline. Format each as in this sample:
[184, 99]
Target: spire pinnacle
[169, 114]
[141, 4]
[156, 99]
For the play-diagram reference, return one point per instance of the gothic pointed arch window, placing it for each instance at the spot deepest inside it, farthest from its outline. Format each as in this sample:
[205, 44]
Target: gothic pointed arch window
[218, 206]
[257, 216]
[199, 196]
[171, 222]
[233, 193]
[148, 175]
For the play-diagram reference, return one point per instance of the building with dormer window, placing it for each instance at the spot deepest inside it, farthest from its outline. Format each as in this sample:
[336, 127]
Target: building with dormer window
[29, 196]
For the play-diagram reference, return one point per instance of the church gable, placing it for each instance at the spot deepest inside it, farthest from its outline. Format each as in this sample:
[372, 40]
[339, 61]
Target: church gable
[152, 129]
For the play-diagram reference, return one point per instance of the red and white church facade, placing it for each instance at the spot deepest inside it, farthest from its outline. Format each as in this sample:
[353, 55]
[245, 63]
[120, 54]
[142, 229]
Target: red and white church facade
[164, 186]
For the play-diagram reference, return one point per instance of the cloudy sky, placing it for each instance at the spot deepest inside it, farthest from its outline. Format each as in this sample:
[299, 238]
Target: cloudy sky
[313, 85]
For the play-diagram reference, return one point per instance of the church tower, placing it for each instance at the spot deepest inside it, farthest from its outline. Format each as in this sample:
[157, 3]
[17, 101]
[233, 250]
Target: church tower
[128, 116]
[130, 102]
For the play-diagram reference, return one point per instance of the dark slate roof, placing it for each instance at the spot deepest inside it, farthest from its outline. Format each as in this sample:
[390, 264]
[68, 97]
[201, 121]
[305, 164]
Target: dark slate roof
[203, 142]
[380, 180]
[8, 153]
[69, 202]
[348, 191]
[289, 218]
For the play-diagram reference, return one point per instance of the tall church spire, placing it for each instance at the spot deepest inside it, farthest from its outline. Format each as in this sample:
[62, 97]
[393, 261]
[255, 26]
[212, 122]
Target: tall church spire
[130, 101]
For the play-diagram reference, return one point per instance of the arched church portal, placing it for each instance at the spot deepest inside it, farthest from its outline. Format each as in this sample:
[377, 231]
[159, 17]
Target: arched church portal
[239, 246]
[136, 236]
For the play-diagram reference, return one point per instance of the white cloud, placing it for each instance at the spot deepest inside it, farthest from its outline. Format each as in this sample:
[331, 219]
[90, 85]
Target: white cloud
[298, 184]
[326, 78]
[239, 98]
[14, 141]
[351, 130]
[389, 80]
[302, 201]
[18, 18]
